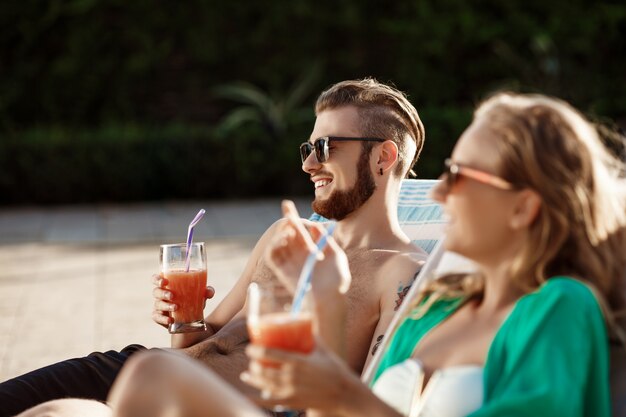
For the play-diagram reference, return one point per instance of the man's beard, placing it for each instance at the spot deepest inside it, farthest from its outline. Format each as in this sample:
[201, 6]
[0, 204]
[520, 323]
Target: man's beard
[341, 203]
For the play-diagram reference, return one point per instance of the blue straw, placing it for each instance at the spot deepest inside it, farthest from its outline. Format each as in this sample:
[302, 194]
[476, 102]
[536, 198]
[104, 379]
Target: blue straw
[304, 282]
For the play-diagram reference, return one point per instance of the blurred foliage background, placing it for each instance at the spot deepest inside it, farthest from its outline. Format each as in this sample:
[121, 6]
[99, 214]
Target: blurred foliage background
[143, 100]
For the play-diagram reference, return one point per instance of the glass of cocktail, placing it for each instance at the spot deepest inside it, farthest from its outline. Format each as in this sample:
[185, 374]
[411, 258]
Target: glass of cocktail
[187, 283]
[271, 323]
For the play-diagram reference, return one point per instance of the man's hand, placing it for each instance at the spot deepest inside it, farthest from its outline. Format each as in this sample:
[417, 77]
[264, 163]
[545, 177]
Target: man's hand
[164, 302]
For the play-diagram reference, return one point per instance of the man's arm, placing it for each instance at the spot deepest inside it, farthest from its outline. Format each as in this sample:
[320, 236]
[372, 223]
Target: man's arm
[396, 278]
[232, 305]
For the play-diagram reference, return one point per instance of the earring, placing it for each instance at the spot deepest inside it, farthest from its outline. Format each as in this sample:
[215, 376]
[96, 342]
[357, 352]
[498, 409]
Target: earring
[381, 171]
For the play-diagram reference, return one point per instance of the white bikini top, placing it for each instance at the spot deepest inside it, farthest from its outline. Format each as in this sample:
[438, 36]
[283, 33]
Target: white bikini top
[451, 392]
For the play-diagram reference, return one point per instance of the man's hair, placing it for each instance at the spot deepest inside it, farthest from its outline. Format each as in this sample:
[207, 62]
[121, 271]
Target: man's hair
[384, 112]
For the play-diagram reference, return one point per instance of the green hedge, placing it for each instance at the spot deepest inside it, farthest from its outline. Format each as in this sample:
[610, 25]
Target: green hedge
[86, 167]
[134, 163]
[93, 62]
[91, 66]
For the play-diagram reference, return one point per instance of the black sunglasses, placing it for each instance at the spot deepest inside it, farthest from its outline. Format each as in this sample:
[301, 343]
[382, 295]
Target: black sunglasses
[320, 145]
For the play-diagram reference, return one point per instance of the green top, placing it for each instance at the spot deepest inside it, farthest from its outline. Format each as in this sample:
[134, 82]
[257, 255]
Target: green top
[549, 357]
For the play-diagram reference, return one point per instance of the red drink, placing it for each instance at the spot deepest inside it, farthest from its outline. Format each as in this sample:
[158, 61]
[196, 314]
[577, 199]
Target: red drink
[188, 289]
[284, 331]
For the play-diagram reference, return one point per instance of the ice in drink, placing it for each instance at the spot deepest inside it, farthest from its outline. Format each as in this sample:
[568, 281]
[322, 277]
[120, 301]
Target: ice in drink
[188, 289]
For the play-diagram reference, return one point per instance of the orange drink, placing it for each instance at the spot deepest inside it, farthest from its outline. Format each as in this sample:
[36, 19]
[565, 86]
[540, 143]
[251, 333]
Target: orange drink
[283, 330]
[186, 280]
[273, 325]
[188, 289]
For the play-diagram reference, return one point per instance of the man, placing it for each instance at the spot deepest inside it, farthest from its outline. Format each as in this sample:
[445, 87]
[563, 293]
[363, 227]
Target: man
[366, 138]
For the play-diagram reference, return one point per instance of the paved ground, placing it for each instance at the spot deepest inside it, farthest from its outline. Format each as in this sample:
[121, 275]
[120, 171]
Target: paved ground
[77, 279]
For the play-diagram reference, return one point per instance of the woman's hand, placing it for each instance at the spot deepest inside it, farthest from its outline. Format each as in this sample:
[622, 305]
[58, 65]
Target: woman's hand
[318, 380]
[291, 246]
[164, 302]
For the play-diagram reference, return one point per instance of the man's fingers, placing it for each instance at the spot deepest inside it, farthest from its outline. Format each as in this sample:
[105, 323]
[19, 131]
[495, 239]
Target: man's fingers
[161, 294]
[160, 315]
[209, 292]
[164, 306]
[159, 281]
[161, 319]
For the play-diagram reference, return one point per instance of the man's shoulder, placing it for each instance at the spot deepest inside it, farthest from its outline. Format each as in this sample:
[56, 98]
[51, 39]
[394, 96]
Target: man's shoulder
[403, 262]
[391, 280]
[404, 254]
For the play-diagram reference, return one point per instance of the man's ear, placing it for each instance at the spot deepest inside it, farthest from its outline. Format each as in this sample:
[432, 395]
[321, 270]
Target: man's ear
[526, 209]
[387, 155]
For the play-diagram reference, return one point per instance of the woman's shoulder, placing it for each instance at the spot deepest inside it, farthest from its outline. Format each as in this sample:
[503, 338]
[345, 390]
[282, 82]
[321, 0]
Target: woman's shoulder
[565, 293]
[562, 310]
[566, 287]
[433, 307]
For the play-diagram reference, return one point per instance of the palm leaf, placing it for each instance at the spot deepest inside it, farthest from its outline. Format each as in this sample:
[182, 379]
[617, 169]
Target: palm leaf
[237, 118]
[246, 93]
[303, 86]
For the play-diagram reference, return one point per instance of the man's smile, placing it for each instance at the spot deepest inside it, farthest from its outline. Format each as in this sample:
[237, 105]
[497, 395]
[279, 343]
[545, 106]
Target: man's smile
[322, 183]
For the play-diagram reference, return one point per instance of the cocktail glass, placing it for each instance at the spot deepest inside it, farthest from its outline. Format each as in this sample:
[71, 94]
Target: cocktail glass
[272, 324]
[188, 286]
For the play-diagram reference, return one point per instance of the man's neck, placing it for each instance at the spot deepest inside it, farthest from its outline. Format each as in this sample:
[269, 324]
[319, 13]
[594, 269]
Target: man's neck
[374, 225]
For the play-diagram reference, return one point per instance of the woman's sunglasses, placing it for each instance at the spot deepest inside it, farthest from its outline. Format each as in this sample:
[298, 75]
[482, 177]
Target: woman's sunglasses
[452, 172]
[320, 146]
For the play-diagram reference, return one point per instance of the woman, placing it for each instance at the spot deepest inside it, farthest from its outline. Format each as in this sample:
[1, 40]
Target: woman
[538, 203]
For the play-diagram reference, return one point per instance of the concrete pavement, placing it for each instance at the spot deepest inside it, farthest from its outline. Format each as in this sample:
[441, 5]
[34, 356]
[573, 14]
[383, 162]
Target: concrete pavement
[76, 279]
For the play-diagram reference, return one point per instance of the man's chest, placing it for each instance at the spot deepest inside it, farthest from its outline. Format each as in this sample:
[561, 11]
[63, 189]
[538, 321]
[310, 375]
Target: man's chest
[367, 288]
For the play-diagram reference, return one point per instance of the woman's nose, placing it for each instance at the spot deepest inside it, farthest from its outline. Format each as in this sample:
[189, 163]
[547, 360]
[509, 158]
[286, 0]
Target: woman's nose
[439, 192]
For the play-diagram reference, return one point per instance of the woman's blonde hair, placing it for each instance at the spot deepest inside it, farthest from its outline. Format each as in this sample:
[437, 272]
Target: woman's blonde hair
[546, 145]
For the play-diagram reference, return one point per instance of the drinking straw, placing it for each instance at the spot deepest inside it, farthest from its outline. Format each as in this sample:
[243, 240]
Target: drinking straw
[304, 282]
[190, 237]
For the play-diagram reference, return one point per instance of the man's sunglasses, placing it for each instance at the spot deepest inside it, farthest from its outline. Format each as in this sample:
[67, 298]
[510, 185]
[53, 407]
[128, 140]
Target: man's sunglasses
[452, 172]
[321, 146]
